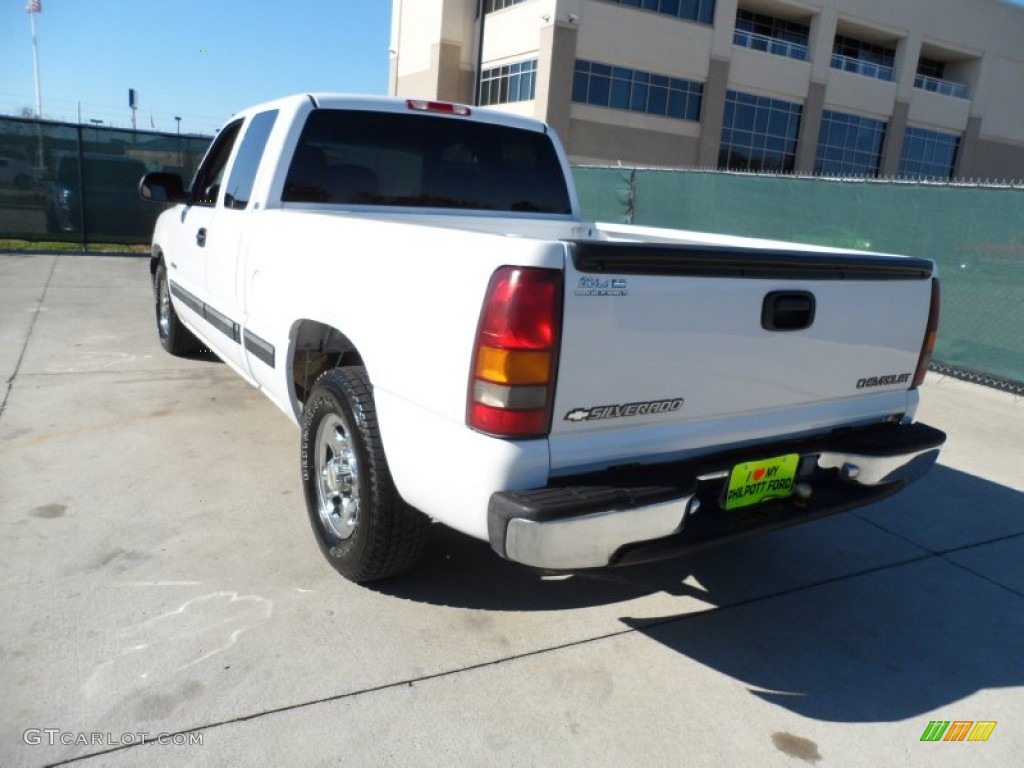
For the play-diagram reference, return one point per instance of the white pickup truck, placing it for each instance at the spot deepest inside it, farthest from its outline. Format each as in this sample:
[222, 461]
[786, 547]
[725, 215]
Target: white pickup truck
[411, 283]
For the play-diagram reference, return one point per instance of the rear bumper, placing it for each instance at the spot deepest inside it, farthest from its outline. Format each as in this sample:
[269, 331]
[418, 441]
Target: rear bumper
[637, 514]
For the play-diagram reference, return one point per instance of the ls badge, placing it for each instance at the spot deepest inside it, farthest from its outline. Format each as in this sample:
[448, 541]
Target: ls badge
[601, 286]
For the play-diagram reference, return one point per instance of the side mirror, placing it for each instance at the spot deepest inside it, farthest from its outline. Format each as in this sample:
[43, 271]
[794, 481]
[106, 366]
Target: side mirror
[159, 187]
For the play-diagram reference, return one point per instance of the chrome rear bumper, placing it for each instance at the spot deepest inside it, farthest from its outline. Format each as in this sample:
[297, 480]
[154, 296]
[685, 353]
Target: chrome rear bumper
[634, 515]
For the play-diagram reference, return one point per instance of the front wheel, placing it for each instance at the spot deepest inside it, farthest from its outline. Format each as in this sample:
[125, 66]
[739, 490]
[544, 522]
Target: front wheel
[364, 528]
[174, 336]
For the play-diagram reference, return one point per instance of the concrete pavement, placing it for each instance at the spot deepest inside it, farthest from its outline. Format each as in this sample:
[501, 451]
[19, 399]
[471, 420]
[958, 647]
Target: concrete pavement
[160, 577]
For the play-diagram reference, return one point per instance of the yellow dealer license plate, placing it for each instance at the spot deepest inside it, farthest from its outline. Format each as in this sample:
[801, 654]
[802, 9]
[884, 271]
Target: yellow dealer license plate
[758, 481]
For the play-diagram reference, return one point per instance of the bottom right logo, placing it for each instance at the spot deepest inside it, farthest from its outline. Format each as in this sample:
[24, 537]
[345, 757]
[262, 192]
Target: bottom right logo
[958, 730]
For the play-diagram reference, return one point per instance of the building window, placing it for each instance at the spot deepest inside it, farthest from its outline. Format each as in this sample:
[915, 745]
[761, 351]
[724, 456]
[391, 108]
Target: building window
[928, 154]
[852, 55]
[511, 82]
[692, 10]
[931, 68]
[759, 133]
[619, 88]
[497, 5]
[772, 35]
[849, 145]
[931, 76]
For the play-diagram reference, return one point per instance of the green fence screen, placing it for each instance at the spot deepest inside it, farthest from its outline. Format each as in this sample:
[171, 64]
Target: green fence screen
[975, 235]
[68, 182]
[77, 183]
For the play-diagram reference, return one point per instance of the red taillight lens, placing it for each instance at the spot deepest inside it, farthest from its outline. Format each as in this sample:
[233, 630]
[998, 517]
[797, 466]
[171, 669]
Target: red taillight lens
[512, 381]
[505, 423]
[930, 335]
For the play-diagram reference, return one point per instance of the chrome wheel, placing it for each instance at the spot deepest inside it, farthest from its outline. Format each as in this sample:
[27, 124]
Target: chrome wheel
[337, 478]
[164, 309]
[174, 336]
[362, 526]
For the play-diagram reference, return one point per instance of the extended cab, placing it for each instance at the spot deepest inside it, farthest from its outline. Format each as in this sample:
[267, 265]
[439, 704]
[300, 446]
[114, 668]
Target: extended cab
[412, 284]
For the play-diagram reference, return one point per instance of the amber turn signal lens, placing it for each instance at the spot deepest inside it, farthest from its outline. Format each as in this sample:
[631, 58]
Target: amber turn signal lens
[510, 366]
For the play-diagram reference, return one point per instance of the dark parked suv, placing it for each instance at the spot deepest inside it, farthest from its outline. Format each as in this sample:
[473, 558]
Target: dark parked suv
[112, 205]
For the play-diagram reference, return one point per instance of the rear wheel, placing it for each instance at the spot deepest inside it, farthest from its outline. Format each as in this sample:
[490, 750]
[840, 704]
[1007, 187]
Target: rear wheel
[364, 528]
[174, 337]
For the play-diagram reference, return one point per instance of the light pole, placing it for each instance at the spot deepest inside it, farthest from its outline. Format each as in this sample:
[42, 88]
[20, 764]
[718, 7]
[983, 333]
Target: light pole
[178, 121]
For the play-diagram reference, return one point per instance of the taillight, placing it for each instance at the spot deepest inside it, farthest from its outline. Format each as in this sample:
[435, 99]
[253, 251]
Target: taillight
[930, 334]
[512, 381]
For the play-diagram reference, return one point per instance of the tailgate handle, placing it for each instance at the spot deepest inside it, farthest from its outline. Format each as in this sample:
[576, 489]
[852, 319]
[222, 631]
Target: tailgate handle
[787, 311]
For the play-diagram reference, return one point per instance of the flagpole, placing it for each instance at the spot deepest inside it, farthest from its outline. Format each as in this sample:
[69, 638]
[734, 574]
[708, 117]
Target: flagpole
[33, 9]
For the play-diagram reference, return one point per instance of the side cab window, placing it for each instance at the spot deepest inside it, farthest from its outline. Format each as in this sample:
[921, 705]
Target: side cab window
[207, 182]
[247, 161]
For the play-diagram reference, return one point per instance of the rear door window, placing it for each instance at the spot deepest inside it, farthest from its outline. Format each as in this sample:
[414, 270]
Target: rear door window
[247, 161]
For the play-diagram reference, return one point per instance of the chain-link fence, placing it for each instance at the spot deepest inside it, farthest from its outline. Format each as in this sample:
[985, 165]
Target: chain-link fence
[65, 182]
[974, 233]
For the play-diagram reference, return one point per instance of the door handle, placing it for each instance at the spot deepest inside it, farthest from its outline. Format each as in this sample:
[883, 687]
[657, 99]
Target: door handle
[787, 311]
[201, 237]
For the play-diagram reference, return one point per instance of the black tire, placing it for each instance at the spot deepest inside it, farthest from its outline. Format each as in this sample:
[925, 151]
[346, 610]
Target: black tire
[364, 528]
[174, 337]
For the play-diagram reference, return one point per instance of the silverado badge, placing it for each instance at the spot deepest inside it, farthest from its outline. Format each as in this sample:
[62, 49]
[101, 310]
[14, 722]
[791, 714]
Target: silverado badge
[647, 408]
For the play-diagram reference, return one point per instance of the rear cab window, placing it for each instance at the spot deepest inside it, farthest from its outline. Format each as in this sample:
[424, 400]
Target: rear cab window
[247, 161]
[424, 161]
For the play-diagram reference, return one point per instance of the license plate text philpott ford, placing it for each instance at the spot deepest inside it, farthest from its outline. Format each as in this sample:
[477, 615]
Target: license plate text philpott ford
[757, 481]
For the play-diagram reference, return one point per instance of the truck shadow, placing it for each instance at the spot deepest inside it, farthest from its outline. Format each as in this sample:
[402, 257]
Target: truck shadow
[826, 630]
[881, 647]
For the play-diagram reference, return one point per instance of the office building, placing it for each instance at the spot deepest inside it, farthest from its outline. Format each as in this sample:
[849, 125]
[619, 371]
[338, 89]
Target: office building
[914, 88]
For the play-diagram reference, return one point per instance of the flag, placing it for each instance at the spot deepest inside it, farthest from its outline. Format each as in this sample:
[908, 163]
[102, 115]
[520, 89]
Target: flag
[34, 6]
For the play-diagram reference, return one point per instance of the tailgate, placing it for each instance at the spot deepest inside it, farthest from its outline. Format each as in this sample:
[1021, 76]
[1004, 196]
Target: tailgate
[672, 349]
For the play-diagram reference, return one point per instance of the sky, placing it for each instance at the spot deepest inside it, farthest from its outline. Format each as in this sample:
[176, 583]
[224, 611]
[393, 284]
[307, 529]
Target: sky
[201, 60]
